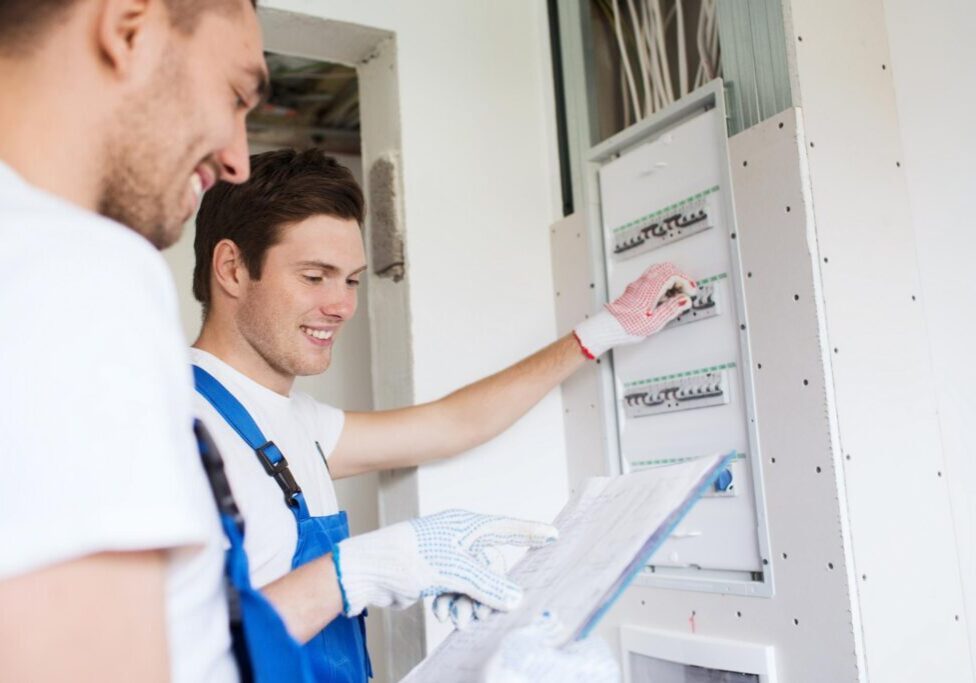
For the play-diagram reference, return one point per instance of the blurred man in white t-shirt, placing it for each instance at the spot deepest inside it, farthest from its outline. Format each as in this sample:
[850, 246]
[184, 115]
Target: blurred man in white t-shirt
[116, 116]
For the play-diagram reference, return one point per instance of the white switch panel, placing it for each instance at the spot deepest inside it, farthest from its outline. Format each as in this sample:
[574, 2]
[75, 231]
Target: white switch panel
[682, 219]
[680, 391]
[665, 196]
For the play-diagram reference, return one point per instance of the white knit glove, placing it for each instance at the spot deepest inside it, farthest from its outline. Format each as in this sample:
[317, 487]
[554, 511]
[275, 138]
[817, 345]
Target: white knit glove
[427, 556]
[649, 303]
[530, 655]
[461, 610]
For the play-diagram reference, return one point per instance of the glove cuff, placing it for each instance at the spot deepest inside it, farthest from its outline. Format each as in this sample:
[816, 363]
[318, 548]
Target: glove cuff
[371, 575]
[585, 351]
[342, 589]
[600, 332]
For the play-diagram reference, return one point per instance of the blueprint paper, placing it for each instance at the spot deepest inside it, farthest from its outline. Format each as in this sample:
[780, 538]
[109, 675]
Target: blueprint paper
[608, 531]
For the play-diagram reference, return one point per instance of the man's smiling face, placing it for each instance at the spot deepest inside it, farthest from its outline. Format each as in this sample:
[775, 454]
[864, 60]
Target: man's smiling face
[307, 291]
[181, 127]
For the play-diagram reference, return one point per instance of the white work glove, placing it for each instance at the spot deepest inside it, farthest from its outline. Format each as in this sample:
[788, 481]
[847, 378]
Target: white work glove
[461, 609]
[649, 303]
[427, 556]
[530, 655]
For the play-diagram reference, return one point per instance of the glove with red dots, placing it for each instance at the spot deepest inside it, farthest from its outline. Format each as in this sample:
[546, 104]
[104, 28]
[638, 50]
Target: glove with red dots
[649, 303]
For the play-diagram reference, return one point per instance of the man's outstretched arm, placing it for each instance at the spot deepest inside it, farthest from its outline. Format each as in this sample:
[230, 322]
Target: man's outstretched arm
[467, 417]
[97, 618]
[480, 411]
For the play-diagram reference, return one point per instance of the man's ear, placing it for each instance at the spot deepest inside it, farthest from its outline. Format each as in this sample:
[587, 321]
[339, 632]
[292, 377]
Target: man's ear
[130, 35]
[228, 272]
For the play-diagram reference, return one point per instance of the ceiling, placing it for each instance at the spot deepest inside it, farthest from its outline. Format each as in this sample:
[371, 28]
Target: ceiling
[312, 104]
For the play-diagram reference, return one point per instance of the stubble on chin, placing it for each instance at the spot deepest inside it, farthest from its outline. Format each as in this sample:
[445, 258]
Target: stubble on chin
[282, 354]
[130, 209]
[141, 186]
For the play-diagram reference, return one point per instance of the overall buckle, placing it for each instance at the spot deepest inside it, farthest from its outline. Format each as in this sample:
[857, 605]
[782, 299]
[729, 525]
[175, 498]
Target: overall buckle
[279, 472]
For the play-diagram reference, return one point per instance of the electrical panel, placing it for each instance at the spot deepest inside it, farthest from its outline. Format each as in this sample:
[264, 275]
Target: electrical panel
[682, 391]
[664, 195]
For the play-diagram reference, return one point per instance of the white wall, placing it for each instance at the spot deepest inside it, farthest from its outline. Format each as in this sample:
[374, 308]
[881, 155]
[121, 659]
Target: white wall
[935, 88]
[905, 553]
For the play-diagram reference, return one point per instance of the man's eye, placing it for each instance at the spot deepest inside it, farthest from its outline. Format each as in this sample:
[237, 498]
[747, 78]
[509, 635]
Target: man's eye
[314, 279]
[352, 283]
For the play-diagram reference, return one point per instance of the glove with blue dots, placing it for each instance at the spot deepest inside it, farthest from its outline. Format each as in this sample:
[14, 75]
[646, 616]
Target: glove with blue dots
[461, 610]
[428, 556]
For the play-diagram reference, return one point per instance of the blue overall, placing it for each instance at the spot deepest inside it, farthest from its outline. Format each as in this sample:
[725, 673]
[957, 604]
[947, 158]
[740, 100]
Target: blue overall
[338, 652]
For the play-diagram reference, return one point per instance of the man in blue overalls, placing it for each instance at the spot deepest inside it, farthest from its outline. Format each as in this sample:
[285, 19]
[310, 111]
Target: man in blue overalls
[278, 263]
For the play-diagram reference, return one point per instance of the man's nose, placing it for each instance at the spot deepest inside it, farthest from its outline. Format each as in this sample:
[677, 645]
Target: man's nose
[340, 302]
[234, 159]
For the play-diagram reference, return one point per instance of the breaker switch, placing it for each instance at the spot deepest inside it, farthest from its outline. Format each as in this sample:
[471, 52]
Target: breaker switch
[724, 481]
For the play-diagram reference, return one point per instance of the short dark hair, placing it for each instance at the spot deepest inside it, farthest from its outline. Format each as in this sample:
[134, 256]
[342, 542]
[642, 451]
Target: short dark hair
[285, 187]
[24, 22]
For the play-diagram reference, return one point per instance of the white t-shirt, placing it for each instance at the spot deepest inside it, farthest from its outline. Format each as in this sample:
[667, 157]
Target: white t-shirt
[296, 423]
[97, 451]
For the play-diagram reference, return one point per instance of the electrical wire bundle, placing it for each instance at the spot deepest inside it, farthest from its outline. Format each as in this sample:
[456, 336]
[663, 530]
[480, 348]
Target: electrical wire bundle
[652, 37]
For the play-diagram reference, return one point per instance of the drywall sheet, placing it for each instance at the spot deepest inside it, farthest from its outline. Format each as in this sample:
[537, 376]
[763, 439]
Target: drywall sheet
[812, 618]
[909, 587]
[681, 395]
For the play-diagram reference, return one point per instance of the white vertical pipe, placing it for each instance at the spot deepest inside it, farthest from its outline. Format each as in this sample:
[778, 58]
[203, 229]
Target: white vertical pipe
[625, 60]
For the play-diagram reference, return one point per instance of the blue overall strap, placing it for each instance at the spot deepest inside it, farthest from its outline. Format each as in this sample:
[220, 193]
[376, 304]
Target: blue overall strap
[230, 518]
[271, 457]
[262, 646]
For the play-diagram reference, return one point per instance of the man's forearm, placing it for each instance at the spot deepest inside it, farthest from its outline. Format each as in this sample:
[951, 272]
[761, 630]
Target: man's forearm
[307, 598]
[96, 618]
[486, 408]
[460, 421]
